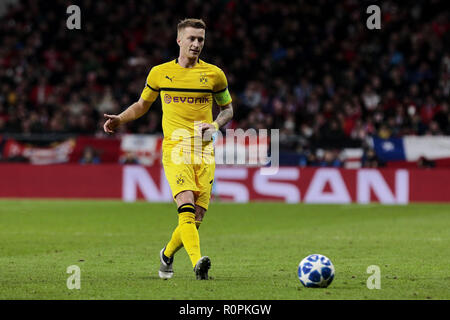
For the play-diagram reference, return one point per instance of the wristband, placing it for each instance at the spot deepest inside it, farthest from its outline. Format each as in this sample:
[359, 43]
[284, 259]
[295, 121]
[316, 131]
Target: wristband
[216, 125]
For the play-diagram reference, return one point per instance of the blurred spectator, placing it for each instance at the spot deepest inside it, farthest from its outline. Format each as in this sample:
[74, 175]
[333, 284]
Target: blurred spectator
[331, 159]
[310, 69]
[442, 118]
[312, 160]
[129, 158]
[90, 156]
[370, 159]
[425, 163]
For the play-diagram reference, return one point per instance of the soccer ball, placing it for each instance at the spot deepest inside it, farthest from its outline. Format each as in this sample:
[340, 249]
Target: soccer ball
[316, 271]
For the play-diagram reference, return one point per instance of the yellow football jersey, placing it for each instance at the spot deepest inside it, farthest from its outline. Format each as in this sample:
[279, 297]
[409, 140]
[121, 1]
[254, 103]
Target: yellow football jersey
[186, 95]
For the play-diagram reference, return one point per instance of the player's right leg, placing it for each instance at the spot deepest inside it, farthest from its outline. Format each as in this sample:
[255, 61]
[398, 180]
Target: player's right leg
[166, 265]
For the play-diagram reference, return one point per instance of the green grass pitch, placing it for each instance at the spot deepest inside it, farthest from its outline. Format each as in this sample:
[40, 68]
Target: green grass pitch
[254, 248]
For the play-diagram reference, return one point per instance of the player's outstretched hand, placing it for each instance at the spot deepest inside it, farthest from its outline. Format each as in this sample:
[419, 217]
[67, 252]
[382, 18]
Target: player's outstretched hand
[112, 123]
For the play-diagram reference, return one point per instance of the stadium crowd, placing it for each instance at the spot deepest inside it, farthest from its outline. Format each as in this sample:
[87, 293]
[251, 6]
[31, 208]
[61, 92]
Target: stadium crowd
[310, 68]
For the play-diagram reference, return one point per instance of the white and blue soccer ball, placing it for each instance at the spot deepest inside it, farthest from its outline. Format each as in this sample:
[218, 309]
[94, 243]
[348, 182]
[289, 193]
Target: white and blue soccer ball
[316, 271]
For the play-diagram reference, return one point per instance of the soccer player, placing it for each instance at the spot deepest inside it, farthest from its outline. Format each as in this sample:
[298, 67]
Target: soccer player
[187, 86]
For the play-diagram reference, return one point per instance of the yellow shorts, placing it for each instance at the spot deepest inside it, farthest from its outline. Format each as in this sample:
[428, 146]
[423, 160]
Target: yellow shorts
[197, 177]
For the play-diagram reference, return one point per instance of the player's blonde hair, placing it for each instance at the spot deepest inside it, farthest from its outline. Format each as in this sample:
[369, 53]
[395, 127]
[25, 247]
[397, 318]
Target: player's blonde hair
[190, 22]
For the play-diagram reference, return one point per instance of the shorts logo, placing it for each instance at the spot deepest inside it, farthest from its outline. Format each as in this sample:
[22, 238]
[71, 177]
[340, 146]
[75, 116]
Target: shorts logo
[180, 179]
[203, 78]
[167, 98]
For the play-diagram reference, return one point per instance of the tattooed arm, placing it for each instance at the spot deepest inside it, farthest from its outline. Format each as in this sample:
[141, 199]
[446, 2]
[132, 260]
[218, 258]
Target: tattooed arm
[224, 116]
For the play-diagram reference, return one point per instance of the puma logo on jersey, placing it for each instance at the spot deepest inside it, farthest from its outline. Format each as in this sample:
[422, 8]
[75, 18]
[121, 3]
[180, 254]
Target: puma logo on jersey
[171, 79]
